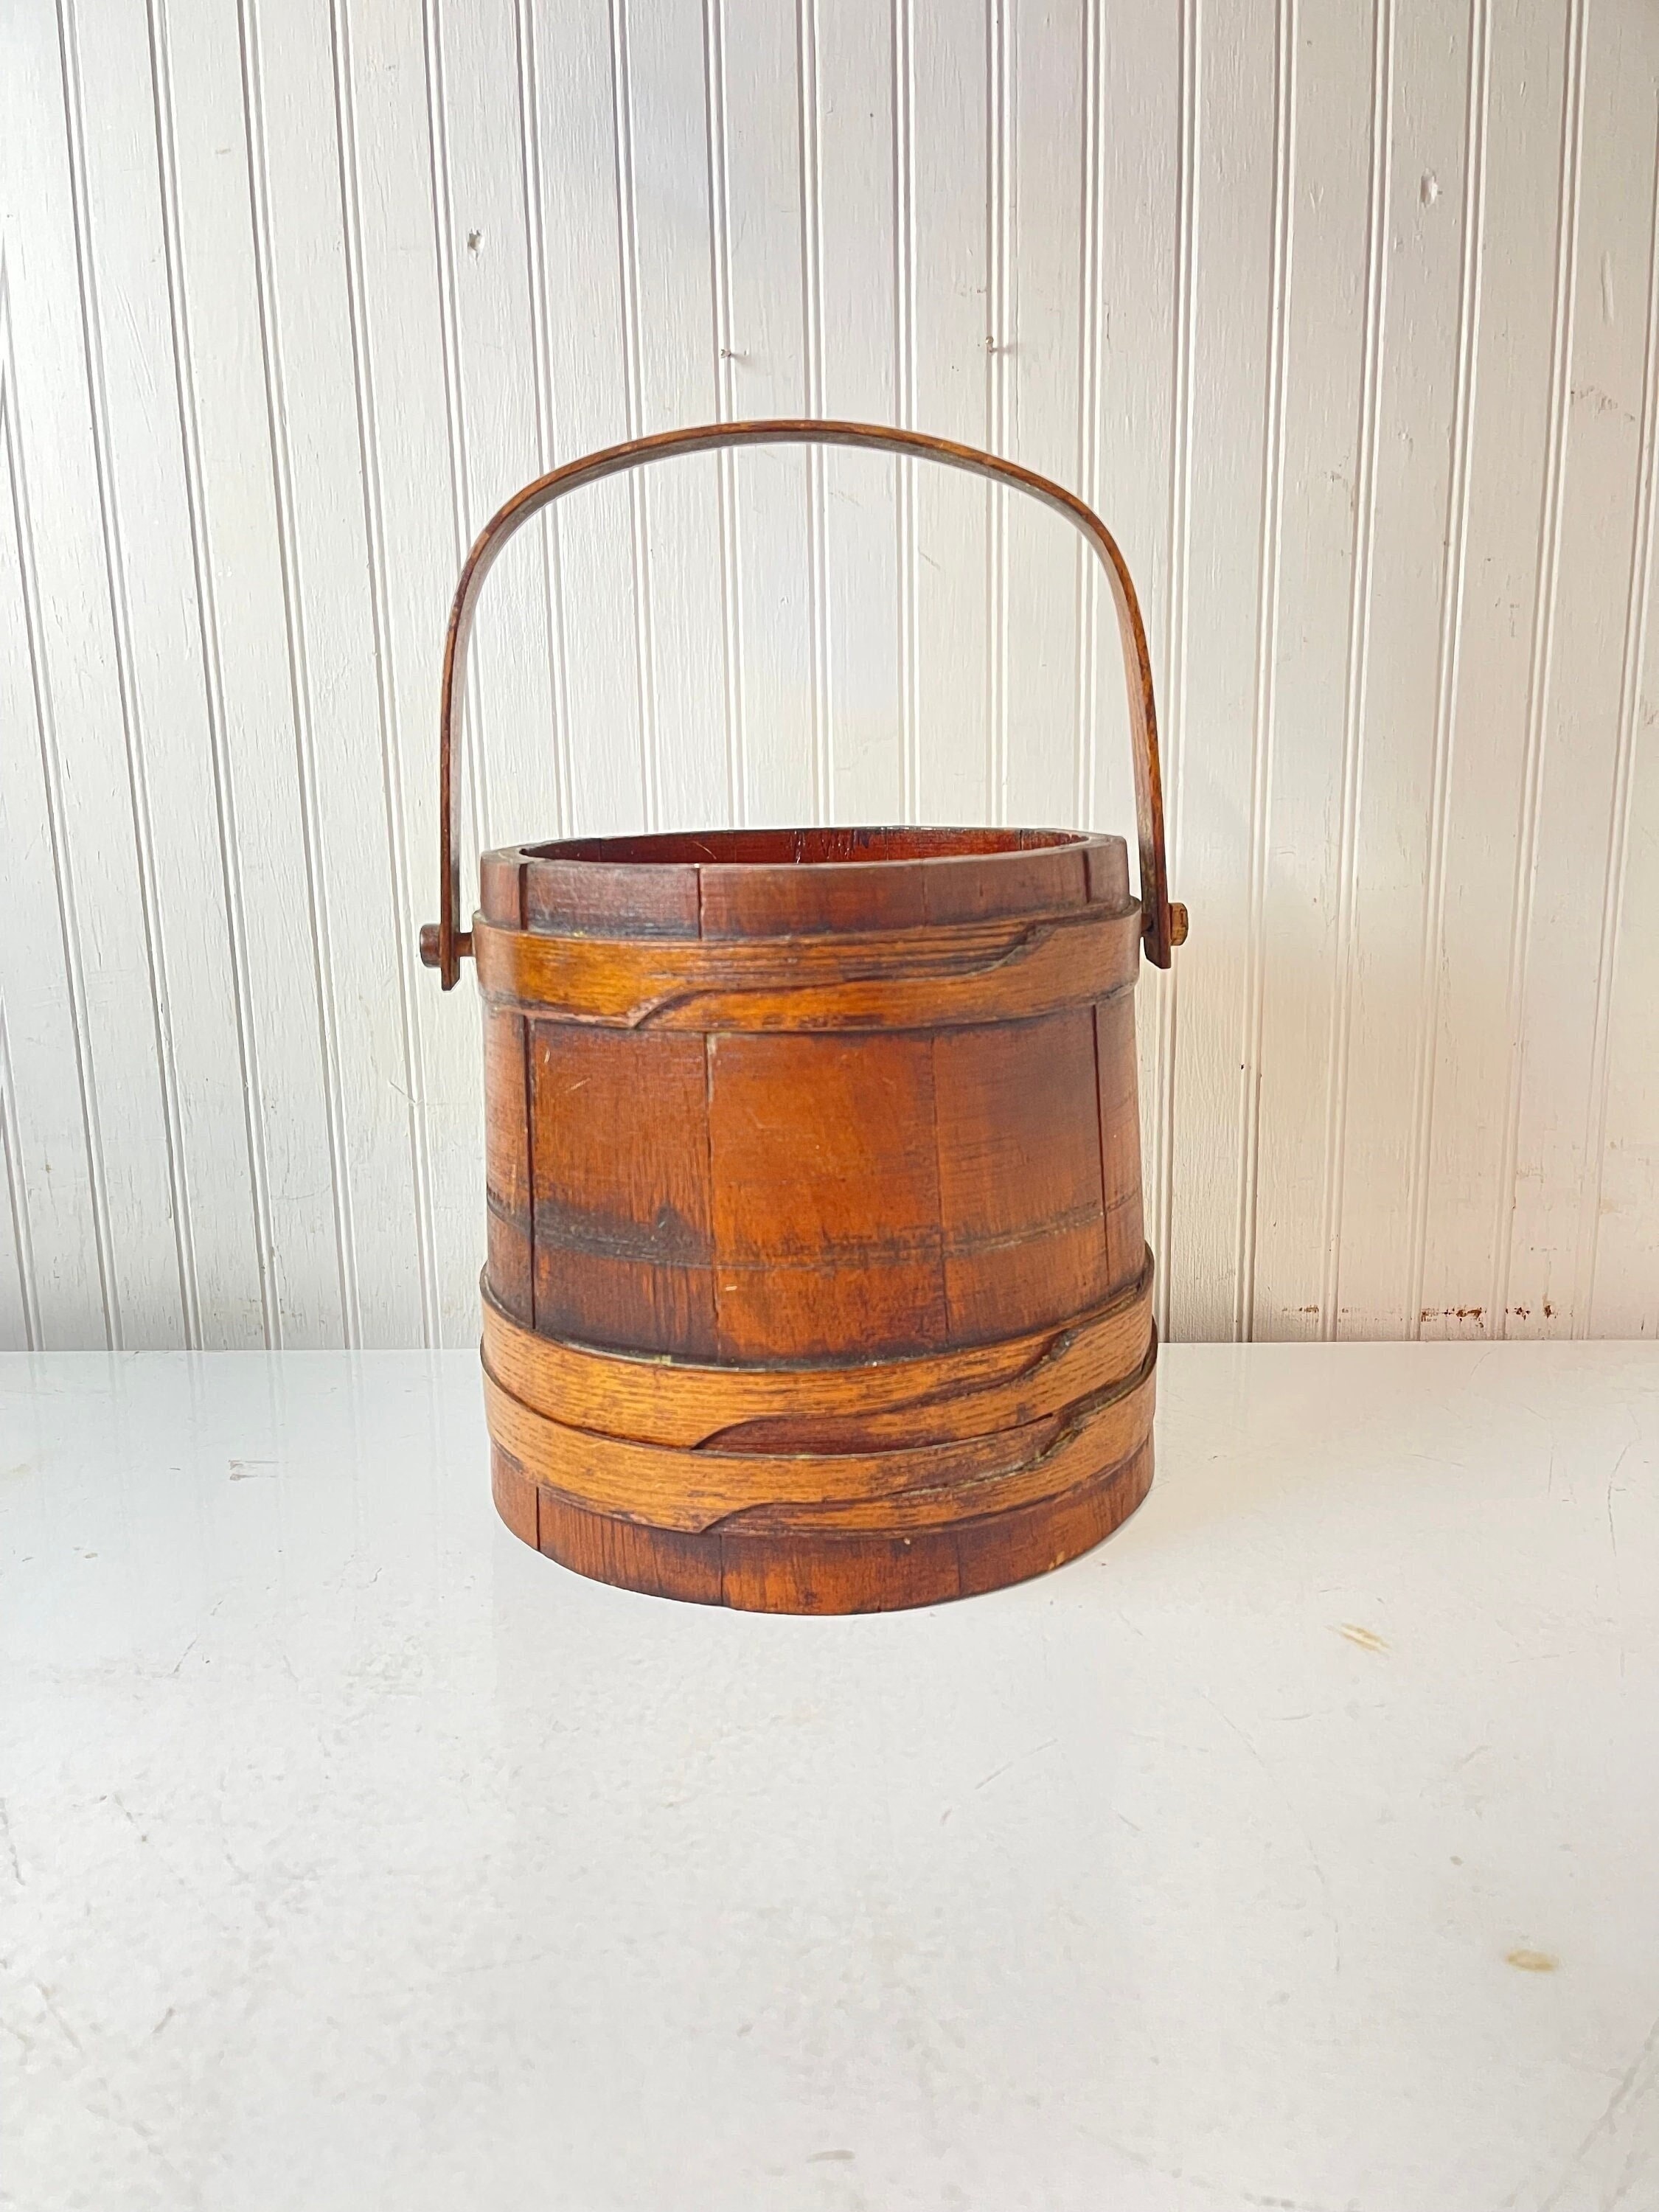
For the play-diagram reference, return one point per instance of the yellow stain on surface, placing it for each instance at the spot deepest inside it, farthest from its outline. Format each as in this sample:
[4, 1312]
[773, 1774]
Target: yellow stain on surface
[1533, 1962]
[1366, 1639]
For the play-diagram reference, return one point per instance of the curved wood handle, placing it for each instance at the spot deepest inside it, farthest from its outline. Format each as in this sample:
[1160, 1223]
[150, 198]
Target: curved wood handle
[443, 945]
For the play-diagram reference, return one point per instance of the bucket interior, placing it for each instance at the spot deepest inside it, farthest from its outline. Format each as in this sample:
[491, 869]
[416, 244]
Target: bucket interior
[801, 847]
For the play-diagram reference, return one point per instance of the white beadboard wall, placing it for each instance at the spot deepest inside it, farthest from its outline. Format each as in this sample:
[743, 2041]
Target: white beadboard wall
[1344, 316]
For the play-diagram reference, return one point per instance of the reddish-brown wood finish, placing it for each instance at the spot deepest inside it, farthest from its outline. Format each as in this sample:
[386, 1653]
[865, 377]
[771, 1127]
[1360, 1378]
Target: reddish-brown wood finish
[817, 1280]
[861, 1573]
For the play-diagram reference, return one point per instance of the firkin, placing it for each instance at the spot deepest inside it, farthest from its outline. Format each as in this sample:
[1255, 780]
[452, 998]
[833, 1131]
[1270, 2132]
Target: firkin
[817, 1276]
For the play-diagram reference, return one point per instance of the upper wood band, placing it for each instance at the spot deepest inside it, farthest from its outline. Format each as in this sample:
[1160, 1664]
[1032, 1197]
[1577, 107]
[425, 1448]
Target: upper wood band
[941, 1395]
[1012, 969]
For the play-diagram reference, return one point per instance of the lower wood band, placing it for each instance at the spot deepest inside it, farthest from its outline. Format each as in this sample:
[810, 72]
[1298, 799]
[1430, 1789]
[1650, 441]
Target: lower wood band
[822, 1571]
[939, 1396]
[893, 1490]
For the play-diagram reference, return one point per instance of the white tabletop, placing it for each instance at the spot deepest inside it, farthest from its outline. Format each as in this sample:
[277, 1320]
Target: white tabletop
[1296, 1849]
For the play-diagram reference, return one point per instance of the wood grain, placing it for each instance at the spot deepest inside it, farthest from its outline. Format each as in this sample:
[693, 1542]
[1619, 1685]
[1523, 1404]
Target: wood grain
[623, 1247]
[912, 1486]
[969, 972]
[760, 1572]
[1118, 1090]
[826, 1201]
[507, 1162]
[1020, 1173]
[962, 1392]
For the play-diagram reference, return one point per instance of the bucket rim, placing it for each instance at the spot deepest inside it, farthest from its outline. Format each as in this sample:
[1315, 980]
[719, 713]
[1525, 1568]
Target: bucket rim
[802, 881]
[876, 845]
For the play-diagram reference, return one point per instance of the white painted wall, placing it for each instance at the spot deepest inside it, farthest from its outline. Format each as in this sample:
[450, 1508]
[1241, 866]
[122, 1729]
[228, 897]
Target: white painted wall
[1346, 318]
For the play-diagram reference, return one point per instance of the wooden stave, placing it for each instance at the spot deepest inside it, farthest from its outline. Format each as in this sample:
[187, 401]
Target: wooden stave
[1041, 1263]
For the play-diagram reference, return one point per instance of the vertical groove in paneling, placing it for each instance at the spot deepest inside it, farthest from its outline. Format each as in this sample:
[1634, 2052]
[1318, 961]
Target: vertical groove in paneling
[720, 272]
[812, 259]
[298, 669]
[368, 431]
[1086, 567]
[230, 857]
[904, 384]
[1542, 641]
[1632, 665]
[10, 1138]
[1360, 625]
[1473, 217]
[999, 342]
[16, 1197]
[1267, 656]
[62, 868]
[628, 235]
[132, 736]
[524, 22]
[474, 751]
[1161, 1207]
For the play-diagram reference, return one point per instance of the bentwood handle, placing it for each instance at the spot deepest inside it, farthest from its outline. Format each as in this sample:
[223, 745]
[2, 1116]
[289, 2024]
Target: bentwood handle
[1163, 924]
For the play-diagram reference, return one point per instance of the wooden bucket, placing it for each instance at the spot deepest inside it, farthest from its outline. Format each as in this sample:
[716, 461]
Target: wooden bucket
[816, 1277]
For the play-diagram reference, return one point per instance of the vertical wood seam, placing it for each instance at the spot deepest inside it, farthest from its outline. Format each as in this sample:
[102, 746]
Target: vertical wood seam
[708, 1043]
[1541, 657]
[530, 172]
[460, 489]
[299, 673]
[809, 142]
[391, 783]
[1181, 494]
[17, 1197]
[1632, 665]
[621, 100]
[69, 922]
[719, 252]
[904, 332]
[1100, 1130]
[1267, 670]
[126, 683]
[230, 858]
[1358, 657]
[1448, 652]
[944, 1272]
[527, 1028]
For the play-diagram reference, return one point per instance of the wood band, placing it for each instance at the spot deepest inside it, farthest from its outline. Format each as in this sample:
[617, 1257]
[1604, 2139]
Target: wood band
[967, 1392]
[1014, 968]
[828, 1571]
[891, 1492]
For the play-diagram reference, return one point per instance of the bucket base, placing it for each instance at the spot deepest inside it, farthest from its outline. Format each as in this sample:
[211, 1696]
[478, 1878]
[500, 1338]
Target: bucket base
[789, 1572]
